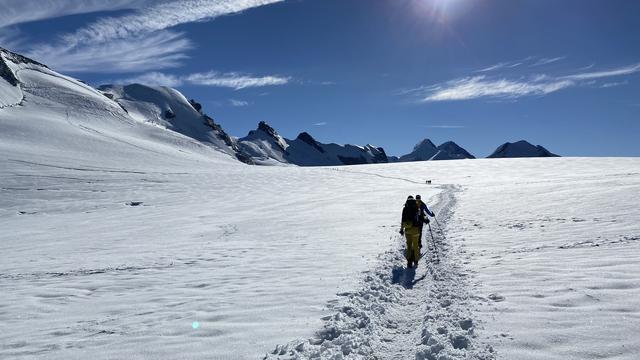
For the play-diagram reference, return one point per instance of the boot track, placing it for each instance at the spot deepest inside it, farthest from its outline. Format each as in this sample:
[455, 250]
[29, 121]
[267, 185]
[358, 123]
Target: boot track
[399, 313]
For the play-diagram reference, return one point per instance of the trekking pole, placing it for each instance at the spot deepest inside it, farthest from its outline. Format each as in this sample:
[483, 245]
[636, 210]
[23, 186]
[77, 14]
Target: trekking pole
[432, 238]
[439, 227]
[435, 247]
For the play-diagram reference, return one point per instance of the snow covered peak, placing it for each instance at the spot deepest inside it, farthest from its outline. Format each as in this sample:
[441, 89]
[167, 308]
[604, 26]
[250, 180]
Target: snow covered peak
[309, 140]
[269, 133]
[426, 150]
[17, 58]
[264, 145]
[520, 149]
[424, 145]
[10, 64]
[454, 151]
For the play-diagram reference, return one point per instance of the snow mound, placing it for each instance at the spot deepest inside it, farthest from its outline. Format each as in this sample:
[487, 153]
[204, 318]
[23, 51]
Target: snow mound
[520, 149]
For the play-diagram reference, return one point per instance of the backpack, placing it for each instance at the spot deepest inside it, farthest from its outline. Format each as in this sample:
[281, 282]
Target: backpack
[410, 213]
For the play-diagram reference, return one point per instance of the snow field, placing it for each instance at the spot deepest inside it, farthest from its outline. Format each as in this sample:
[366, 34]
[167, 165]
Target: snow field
[241, 250]
[561, 254]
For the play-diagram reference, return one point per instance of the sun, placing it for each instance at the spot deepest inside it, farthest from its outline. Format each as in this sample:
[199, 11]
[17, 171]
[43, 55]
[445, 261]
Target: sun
[441, 11]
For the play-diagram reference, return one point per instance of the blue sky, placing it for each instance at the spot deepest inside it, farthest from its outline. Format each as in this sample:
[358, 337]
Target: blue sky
[562, 74]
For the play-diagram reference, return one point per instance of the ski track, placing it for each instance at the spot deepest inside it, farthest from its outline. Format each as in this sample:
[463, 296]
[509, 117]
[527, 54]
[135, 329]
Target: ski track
[400, 313]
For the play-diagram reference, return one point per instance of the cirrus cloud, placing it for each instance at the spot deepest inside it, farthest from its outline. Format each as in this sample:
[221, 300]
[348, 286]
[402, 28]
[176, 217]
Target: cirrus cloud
[140, 40]
[233, 80]
[482, 86]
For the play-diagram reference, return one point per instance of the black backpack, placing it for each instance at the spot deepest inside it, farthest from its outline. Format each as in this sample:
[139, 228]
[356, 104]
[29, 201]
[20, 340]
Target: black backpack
[410, 213]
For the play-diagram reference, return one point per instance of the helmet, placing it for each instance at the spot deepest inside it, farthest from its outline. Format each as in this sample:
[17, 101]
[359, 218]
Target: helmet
[418, 197]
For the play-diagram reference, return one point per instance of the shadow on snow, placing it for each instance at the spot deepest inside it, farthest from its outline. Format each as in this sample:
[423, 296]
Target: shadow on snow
[405, 277]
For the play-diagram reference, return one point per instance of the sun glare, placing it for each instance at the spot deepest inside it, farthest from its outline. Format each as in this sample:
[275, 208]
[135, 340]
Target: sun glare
[441, 11]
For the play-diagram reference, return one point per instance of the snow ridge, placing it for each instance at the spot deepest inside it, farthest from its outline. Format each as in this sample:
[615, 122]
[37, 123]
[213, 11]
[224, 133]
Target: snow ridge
[385, 318]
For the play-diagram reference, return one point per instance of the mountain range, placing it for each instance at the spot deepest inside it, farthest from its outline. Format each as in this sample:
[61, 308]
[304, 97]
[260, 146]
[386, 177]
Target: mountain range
[106, 108]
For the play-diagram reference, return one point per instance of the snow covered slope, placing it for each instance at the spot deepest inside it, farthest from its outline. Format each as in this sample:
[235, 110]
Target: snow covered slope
[264, 145]
[46, 114]
[520, 149]
[168, 108]
[426, 150]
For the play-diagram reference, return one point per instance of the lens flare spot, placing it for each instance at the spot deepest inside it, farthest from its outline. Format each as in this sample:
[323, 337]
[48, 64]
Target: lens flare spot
[195, 325]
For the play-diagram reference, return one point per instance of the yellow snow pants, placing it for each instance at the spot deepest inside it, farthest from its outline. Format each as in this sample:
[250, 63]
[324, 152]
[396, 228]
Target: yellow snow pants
[412, 234]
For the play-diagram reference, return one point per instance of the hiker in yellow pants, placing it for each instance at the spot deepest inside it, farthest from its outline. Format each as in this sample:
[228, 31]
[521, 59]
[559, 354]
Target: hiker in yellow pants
[410, 228]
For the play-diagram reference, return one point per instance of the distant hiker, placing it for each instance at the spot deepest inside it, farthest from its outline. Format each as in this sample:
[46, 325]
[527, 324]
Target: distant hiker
[410, 228]
[423, 211]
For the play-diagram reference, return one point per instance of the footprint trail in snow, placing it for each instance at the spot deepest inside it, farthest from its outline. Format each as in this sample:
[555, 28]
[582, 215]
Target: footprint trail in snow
[400, 313]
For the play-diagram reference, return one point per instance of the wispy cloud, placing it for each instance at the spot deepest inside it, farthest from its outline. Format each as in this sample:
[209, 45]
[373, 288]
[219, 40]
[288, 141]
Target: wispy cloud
[323, 123]
[614, 84]
[233, 80]
[626, 70]
[160, 50]
[133, 42]
[530, 61]
[10, 38]
[482, 86]
[21, 11]
[445, 126]
[547, 61]
[238, 103]
[498, 66]
[586, 67]
[160, 16]
[153, 79]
